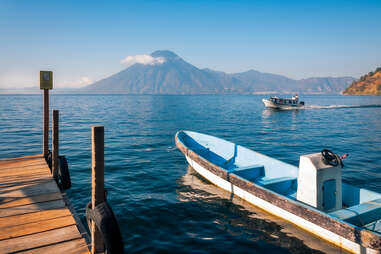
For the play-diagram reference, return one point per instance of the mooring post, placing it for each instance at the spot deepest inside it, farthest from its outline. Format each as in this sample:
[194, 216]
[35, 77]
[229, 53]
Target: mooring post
[97, 183]
[55, 142]
[45, 139]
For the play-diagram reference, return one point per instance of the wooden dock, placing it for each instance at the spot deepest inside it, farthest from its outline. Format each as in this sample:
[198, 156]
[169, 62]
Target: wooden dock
[35, 217]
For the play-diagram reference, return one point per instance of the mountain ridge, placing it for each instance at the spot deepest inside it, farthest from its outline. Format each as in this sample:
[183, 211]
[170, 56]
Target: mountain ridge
[170, 74]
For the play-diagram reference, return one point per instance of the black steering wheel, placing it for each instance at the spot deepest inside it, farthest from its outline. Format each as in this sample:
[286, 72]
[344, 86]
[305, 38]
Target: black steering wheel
[330, 158]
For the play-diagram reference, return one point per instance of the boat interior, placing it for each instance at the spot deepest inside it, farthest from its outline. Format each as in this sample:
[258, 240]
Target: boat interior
[361, 207]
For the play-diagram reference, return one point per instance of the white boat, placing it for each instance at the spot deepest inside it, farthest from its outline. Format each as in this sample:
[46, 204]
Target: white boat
[311, 196]
[283, 103]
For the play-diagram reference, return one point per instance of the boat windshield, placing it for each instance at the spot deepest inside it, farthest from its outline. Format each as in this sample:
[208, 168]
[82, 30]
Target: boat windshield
[293, 101]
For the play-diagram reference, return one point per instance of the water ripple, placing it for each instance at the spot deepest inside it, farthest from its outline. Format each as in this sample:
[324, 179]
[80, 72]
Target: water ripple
[164, 206]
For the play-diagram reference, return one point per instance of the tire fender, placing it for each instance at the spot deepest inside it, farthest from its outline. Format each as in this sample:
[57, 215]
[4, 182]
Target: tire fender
[63, 173]
[107, 224]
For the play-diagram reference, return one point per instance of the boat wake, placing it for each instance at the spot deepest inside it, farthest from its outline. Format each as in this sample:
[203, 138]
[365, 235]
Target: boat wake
[326, 107]
[341, 106]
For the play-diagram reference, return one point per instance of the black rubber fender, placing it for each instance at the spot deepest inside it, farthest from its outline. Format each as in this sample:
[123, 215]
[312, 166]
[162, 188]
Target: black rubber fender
[49, 160]
[107, 224]
[63, 173]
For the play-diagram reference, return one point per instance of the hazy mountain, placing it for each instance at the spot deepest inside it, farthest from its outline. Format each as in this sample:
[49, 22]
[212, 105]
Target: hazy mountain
[281, 84]
[173, 75]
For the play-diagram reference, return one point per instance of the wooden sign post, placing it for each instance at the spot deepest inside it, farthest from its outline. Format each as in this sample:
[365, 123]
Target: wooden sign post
[46, 83]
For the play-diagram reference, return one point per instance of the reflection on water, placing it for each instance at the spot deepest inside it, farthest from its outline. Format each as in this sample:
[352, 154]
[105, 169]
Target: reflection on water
[272, 117]
[269, 111]
[240, 218]
[144, 171]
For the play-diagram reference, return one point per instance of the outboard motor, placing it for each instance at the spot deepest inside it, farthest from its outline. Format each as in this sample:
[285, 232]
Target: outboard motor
[319, 180]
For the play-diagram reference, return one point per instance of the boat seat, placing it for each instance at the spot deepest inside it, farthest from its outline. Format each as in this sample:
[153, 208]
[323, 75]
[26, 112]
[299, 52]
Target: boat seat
[283, 185]
[250, 173]
[272, 180]
[362, 214]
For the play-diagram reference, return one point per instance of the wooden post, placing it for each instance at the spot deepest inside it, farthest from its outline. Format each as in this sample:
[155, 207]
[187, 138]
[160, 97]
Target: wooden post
[45, 139]
[97, 182]
[55, 142]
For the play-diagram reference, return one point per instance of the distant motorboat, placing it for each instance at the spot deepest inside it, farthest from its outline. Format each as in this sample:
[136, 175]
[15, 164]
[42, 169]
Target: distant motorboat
[283, 103]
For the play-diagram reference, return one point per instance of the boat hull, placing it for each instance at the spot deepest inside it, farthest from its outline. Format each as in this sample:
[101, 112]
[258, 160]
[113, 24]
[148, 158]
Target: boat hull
[306, 225]
[351, 238]
[270, 104]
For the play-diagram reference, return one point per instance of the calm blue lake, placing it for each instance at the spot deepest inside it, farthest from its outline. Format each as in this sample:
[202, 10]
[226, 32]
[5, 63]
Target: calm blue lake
[161, 204]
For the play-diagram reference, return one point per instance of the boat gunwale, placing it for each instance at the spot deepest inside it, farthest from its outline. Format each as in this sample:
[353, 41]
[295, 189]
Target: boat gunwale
[362, 236]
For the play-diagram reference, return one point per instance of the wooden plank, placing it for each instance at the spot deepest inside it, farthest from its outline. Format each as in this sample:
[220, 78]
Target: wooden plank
[29, 157]
[37, 189]
[11, 181]
[77, 246]
[23, 186]
[25, 172]
[14, 202]
[33, 217]
[39, 239]
[35, 227]
[25, 175]
[55, 204]
[81, 228]
[14, 168]
[22, 163]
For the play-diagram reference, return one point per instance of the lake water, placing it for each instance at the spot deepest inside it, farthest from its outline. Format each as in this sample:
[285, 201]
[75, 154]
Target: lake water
[162, 205]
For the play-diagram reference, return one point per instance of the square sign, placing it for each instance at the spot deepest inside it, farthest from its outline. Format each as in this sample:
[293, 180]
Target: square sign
[46, 80]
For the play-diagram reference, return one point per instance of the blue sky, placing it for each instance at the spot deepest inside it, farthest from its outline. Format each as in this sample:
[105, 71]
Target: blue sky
[83, 41]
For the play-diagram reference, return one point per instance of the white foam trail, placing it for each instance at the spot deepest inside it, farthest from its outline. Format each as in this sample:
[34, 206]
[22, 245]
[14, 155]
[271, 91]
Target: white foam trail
[341, 106]
[330, 107]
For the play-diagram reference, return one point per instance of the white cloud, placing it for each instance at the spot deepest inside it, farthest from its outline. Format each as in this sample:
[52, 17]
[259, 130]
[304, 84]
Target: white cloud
[82, 81]
[142, 59]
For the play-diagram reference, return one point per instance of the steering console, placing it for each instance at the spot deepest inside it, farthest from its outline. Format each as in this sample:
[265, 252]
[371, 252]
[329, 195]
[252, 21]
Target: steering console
[330, 158]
